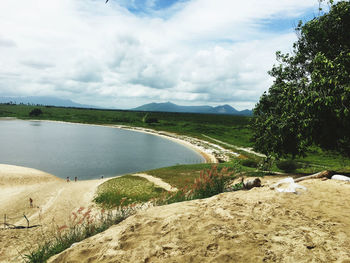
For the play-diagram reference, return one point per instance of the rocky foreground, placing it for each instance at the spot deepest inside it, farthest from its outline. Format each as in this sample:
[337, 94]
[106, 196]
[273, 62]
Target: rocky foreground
[260, 225]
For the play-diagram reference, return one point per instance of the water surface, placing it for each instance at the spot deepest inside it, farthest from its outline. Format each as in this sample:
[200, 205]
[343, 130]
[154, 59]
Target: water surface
[87, 151]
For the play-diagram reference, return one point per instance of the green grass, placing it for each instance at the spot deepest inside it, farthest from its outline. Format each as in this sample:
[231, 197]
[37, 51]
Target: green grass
[125, 190]
[317, 160]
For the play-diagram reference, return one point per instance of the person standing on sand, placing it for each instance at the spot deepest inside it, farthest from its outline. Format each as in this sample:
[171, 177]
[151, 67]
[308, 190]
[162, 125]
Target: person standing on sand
[67, 179]
[75, 179]
[31, 202]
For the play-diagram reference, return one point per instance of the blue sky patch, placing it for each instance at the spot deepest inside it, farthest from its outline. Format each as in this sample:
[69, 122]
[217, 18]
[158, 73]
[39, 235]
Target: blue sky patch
[149, 7]
[282, 25]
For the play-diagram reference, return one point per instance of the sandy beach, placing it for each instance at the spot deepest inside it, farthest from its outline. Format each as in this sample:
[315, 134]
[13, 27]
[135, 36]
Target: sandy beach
[53, 202]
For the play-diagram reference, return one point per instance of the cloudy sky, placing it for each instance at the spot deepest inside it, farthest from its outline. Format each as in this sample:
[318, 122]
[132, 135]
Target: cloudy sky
[130, 52]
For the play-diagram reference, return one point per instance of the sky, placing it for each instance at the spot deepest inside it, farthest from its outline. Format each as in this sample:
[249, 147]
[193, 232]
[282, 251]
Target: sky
[126, 53]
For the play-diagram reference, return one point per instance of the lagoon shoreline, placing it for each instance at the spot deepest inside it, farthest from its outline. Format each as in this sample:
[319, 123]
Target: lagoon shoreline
[209, 151]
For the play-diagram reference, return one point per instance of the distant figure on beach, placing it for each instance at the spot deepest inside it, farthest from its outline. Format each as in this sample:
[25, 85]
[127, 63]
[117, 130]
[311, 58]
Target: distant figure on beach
[102, 177]
[31, 202]
[67, 179]
[75, 179]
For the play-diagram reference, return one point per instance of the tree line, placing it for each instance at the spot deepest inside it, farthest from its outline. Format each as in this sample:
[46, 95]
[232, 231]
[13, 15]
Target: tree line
[309, 100]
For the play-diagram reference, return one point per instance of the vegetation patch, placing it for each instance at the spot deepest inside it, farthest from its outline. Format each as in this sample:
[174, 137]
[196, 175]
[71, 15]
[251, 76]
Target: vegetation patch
[125, 190]
[181, 176]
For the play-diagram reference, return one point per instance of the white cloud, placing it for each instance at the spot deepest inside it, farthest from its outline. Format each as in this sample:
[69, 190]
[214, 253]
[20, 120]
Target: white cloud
[195, 52]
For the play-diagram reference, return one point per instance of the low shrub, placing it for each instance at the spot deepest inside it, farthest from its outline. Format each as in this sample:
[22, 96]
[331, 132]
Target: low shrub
[238, 186]
[288, 165]
[35, 112]
[210, 182]
[249, 163]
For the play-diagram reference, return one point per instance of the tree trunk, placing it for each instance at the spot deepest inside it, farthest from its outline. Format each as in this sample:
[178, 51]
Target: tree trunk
[323, 174]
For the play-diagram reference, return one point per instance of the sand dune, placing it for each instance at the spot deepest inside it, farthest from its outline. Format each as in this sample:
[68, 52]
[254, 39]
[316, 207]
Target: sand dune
[259, 225]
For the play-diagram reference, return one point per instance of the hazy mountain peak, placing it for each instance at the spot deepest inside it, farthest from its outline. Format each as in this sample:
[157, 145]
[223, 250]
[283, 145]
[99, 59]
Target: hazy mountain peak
[44, 100]
[171, 107]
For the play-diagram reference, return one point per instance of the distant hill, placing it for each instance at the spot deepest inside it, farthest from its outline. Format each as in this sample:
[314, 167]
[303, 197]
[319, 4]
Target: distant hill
[44, 100]
[171, 107]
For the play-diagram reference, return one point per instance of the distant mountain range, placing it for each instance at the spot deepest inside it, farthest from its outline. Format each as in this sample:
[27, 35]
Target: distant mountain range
[163, 107]
[171, 107]
[44, 100]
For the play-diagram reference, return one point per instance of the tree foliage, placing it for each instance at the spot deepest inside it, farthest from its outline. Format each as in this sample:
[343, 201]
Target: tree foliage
[309, 101]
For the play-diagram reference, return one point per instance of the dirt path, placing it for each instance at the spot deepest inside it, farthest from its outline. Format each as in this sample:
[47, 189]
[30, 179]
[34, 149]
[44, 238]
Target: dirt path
[248, 150]
[157, 181]
[54, 200]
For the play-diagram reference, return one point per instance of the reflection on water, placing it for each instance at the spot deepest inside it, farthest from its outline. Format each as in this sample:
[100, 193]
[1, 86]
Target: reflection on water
[65, 149]
[35, 123]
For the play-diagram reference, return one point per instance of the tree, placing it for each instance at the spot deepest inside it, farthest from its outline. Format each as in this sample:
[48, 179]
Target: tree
[35, 112]
[309, 101]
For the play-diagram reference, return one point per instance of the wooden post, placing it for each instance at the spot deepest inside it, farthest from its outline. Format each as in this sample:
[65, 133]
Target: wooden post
[27, 220]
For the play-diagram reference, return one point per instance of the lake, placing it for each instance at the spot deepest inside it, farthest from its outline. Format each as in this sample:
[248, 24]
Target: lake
[87, 151]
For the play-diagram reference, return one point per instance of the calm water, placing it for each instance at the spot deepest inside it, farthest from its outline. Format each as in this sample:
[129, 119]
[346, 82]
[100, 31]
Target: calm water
[86, 151]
